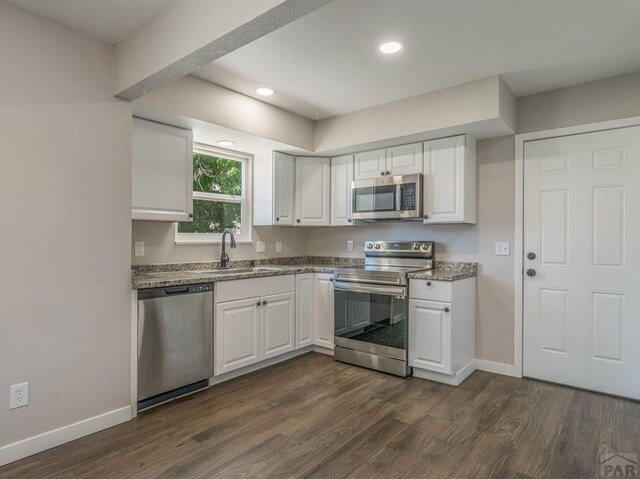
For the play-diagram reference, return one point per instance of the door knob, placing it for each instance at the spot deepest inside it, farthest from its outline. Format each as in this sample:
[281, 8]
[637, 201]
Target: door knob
[531, 272]
[446, 310]
[428, 283]
[531, 256]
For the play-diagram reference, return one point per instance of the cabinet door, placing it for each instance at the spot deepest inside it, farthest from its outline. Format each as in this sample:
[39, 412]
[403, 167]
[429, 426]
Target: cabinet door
[341, 178]
[430, 344]
[237, 335]
[162, 169]
[313, 191]
[405, 159]
[283, 189]
[304, 310]
[277, 325]
[449, 181]
[323, 330]
[369, 164]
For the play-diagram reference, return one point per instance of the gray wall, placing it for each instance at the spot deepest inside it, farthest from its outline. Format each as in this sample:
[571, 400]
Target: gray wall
[608, 99]
[496, 216]
[65, 178]
[160, 247]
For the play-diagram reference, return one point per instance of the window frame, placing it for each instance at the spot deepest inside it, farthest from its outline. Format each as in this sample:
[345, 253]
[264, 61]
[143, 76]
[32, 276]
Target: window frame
[244, 200]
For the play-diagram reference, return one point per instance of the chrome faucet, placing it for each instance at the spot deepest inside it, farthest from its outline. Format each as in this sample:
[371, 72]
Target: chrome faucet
[224, 258]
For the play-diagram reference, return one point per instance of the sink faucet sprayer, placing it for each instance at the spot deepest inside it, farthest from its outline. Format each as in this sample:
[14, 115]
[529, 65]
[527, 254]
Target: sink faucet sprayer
[224, 258]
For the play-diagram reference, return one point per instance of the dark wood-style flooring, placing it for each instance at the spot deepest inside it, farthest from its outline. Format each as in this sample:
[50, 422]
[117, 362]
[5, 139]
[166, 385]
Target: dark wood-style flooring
[311, 417]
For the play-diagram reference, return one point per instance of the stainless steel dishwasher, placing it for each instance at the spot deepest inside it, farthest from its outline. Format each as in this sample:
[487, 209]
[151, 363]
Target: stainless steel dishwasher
[175, 341]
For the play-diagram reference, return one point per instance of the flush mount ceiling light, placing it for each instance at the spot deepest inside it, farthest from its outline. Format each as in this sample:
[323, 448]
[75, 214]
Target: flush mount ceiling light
[391, 47]
[226, 143]
[264, 91]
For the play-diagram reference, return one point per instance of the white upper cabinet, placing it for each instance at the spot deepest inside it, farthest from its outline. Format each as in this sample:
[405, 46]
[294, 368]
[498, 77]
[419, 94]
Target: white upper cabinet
[312, 191]
[341, 177]
[396, 160]
[450, 180]
[283, 189]
[370, 164]
[162, 186]
[404, 159]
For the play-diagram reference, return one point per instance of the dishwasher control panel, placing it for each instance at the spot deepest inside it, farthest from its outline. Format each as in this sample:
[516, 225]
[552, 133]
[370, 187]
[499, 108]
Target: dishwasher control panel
[201, 288]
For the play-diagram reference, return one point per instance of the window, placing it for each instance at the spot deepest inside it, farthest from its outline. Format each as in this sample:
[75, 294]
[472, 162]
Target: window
[221, 197]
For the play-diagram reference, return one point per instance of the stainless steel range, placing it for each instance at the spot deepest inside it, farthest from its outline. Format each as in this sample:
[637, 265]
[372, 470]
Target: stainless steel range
[371, 305]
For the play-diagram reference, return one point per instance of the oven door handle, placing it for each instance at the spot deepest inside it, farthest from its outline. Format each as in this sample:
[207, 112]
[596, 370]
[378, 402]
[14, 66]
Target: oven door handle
[370, 288]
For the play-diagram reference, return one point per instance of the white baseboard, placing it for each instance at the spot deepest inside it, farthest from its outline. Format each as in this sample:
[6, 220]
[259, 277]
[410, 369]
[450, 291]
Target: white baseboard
[493, 367]
[41, 442]
[454, 380]
[322, 350]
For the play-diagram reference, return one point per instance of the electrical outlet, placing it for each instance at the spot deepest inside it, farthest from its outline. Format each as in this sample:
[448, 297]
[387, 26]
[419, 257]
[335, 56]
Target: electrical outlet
[139, 248]
[278, 246]
[350, 245]
[19, 395]
[261, 247]
[502, 249]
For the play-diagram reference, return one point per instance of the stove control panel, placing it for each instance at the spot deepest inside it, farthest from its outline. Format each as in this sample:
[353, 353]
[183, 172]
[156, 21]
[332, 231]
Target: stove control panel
[399, 248]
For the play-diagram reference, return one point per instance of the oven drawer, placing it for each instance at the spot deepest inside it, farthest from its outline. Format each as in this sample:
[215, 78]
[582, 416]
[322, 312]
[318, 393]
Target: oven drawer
[431, 290]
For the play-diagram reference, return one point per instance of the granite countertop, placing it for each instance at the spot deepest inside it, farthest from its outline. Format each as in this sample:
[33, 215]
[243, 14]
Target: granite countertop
[176, 274]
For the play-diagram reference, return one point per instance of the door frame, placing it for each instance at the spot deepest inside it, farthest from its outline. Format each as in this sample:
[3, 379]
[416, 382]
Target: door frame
[518, 250]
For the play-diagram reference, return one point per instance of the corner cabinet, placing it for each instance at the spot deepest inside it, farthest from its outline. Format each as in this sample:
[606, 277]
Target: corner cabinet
[450, 180]
[442, 329]
[162, 172]
[341, 178]
[283, 189]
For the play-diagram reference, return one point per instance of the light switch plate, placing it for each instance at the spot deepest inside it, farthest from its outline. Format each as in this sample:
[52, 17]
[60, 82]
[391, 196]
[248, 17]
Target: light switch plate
[139, 248]
[278, 246]
[261, 247]
[503, 249]
[349, 245]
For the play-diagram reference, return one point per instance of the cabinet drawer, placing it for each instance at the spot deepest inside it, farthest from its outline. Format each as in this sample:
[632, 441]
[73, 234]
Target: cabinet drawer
[253, 288]
[431, 290]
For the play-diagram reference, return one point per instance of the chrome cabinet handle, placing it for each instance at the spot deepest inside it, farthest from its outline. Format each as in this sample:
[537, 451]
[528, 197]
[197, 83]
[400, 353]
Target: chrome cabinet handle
[531, 272]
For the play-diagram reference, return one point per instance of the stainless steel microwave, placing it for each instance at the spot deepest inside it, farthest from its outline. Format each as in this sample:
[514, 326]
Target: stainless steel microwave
[387, 198]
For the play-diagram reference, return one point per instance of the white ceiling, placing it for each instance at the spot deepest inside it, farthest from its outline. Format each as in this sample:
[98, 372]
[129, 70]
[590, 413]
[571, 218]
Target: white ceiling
[105, 20]
[327, 63]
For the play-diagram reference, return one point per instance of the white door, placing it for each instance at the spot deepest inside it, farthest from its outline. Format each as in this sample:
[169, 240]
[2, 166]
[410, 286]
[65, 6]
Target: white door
[277, 325]
[405, 159]
[323, 330]
[313, 191]
[304, 310]
[430, 341]
[581, 220]
[283, 189]
[237, 335]
[369, 164]
[341, 178]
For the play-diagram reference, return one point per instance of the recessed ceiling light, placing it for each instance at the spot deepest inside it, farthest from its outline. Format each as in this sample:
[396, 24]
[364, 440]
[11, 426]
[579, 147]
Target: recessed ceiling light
[264, 91]
[391, 47]
[226, 143]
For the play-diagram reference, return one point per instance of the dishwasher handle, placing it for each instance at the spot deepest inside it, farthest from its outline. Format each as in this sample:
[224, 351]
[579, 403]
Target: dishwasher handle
[180, 290]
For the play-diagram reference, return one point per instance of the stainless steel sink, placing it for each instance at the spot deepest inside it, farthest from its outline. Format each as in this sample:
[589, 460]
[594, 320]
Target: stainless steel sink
[226, 271]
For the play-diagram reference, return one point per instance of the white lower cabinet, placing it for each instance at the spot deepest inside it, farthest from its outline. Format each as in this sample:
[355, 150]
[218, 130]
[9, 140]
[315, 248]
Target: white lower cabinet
[237, 335]
[323, 331]
[249, 330]
[430, 331]
[442, 329]
[277, 325]
[304, 309]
